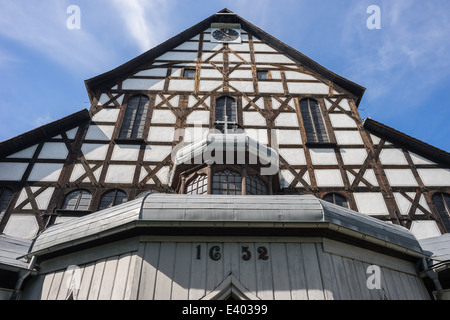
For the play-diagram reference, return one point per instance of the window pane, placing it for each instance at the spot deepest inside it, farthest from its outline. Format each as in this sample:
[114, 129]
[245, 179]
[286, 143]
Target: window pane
[263, 75]
[189, 73]
[313, 121]
[227, 182]
[77, 200]
[112, 198]
[5, 199]
[255, 186]
[225, 107]
[134, 119]
[198, 186]
[337, 199]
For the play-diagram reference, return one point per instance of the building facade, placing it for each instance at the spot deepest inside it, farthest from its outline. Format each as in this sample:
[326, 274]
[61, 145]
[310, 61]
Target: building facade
[224, 109]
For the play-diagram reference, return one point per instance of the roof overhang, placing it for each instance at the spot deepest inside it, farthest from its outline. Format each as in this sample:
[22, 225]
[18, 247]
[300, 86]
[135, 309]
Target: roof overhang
[215, 215]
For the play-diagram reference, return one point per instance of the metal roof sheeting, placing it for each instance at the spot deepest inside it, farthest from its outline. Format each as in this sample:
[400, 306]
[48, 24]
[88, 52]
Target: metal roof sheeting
[11, 248]
[209, 211]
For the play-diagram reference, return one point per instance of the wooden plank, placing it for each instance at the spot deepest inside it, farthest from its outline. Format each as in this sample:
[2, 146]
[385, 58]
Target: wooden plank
[247, 268]
[134, 272]
[281, 285]
[56, 284]
[407, 286]
[148, 272]
[163, 285]
[296, 271]
[214, 268]
[121, 278]
[387, 282]
[330, 285]
[312, 272]
[108, 279]
[86, 278]
[264, 275]
[198, 271]
[96, 279]
[180, 283]
[398, 283]
[47, 285]
[341, 278]
[354, 285]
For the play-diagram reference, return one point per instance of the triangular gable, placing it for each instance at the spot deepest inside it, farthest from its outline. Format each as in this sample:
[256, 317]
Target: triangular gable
[230, 287]
[109, 79]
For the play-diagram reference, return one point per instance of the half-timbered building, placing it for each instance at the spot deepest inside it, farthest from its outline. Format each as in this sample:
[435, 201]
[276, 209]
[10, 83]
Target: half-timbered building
[221, 163]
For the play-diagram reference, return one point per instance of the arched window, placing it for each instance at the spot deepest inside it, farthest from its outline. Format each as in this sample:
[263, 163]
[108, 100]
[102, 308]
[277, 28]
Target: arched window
[198, 186]
[336, 198]
[442, 203]
[227, 182]
[313, 121]
[226, 111]
[5, 198]
[112, 198]
[78, 200]
[255, 186]
[134, 119]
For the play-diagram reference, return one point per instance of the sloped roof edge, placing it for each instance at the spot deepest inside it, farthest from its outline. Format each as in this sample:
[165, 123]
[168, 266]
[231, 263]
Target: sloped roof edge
[110, 77]
[49, 130]
[410, 143]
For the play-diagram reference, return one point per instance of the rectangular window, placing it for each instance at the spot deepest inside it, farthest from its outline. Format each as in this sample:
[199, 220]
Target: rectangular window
[262, 74]
[189, 73]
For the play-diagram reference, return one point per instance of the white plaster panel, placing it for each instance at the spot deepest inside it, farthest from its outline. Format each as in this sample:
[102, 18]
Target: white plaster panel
[99, 132]
[371, 203]
[210, 73]
[46, 172]
[275, 74]
[294, 75]
[43, 199]
[376, 140]
[259, 135]
[425, 229]
[242, 47]
[53, 150]
[22, 226]
[161, 134]
[270, 87]
[416, 159]
[187, 46]
[342, 121]
[243, 57]
[156, 153]
[179, 56]
[94, 151]
[328, 178]
[208, 86]
[289, 136]
[195, 134]
[77, 172]
[125, 152]
[212, 46]
[120, 174]
[156, 72]
[345, 105]
[163, 116]
[241, 74]
[324, 156]
[286, 119]
[143, 84]
[104, 98]
[198, 117]
[254, 119]
[369, 175]
[294, 156]
[286, 178]
[181, 85]
[25, 153]
[272, 58]
[403, 204]
[72, 133]
[10, 171]
[22, 197]
[348, 137]
[353, 156]
[163, 175]
[262, 47]
[306, 87]
[107, 115]
[243, 86]
[193, 101]
[435, 177]
[392, 156]
[400, 177]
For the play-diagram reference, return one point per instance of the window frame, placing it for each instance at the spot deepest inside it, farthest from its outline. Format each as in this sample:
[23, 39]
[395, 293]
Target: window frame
[316, 139]
[266, 72]
[445, 214]
[116, 191]
[186, 72]
[135, 124]
[79, 197]
[233, 124]
[8, 204]
[334, 194]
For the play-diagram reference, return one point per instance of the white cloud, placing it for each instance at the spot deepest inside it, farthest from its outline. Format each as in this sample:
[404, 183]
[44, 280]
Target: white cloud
[145, 21]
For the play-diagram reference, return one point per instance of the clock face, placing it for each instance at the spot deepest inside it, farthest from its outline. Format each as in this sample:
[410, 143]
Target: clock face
[225, 35]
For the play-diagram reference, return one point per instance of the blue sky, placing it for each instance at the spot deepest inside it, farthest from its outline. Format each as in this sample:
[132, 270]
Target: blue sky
[405, 65]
